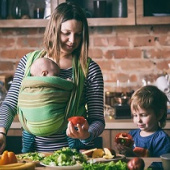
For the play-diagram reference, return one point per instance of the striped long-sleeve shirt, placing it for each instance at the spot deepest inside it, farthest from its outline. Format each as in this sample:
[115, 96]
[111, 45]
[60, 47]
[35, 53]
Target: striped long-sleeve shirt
[93, 87]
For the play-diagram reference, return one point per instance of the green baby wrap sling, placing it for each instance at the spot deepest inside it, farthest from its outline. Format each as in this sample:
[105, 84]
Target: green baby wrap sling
[45, 103]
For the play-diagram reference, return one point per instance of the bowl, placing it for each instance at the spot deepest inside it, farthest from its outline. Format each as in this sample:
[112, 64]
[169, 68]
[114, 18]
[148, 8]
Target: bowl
[165, 161]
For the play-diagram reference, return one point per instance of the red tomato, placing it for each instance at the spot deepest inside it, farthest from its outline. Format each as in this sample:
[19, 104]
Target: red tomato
[77, 120]
[136, 163]
[124, 139]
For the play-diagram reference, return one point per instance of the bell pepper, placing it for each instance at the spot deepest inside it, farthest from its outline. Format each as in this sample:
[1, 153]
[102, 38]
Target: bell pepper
[124, 139]
[8, 158]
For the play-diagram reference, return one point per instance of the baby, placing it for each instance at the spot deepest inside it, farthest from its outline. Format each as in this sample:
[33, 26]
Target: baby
[44, 67]
[40, 67]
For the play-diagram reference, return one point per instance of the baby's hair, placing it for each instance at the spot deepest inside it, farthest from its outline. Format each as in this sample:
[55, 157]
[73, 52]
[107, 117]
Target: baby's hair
[151, 98]
[42, 65]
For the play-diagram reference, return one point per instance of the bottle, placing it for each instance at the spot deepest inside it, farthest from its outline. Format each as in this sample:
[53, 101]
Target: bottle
[119, 8]
[20, 9]
[47, 9]
[4, 9]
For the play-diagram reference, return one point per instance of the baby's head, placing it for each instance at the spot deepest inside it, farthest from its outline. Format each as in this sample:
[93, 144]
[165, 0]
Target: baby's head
[44, 67]
[150, 98]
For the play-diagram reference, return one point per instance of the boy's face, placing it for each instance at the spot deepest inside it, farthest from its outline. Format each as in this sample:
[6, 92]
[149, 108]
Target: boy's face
[145, 120]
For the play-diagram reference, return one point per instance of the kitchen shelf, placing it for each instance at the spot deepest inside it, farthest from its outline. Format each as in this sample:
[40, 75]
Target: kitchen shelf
[23, 23]
[134, 17]
[38, 23]
[34, 23]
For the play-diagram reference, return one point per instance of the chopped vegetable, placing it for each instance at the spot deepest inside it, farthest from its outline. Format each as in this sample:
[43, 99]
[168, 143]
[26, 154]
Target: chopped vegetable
[106, 166]
[65, 157]
[33, 156]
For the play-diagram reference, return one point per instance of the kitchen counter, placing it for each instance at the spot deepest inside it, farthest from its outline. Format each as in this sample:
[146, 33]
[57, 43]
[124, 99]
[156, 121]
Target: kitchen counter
[111, 123]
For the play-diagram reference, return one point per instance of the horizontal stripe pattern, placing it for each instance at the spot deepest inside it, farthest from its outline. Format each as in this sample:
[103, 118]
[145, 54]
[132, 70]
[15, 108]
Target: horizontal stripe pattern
[94, 97]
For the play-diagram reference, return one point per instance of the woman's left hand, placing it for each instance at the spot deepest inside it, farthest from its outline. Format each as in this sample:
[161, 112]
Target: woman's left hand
[81, 132]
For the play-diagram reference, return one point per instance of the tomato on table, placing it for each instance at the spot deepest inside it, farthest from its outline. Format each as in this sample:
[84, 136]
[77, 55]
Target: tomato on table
[136, 163]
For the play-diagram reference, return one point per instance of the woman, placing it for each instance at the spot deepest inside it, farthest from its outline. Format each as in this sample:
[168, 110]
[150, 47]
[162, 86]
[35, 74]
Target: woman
[66, 39]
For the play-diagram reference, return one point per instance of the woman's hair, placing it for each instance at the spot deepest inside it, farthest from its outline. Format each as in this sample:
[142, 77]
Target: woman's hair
[151, 98]
[64, 12]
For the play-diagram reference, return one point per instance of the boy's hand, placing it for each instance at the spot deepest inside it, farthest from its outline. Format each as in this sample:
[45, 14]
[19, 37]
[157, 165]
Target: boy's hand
[124, 150]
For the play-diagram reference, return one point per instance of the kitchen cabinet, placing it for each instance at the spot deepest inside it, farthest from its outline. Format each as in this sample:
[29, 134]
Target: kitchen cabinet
[110, 21]
[135, 16]
[155, 18]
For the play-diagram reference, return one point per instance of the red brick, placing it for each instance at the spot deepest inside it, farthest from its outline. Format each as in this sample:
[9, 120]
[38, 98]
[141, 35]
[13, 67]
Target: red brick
[132, 30]
[118, 41]
[14, 53]
[30, 42]
[163, 65]
[161, 29]
[6, 65]
[108, 65]
[95, 53]
[164, 40]
[134, 53]
[135, 65]
[101, 41]
[143, 41]
[159, 53]
[7, 42]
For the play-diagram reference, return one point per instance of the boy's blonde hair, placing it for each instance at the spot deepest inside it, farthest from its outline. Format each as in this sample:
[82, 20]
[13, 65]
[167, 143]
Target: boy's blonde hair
[151, 98]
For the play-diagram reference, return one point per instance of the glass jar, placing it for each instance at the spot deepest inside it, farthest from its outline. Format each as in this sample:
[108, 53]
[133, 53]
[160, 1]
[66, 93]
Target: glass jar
[20, 9]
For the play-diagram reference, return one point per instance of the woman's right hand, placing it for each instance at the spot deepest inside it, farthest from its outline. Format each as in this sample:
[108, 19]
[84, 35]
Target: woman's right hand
[80, 133]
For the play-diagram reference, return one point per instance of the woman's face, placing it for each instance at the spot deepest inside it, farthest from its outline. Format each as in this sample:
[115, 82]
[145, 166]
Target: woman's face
[70, 35]
[145, 120]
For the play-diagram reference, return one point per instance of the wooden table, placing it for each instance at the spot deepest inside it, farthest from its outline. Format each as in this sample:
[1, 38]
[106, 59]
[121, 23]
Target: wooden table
[147, 161]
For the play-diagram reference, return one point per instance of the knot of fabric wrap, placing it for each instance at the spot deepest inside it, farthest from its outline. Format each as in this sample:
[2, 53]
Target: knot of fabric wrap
[45, 103]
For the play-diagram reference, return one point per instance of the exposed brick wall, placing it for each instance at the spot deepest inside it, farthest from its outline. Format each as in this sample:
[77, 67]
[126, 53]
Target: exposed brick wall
[127, 53]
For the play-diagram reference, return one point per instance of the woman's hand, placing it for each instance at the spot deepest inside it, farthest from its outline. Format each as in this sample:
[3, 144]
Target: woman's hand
[78, 132]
